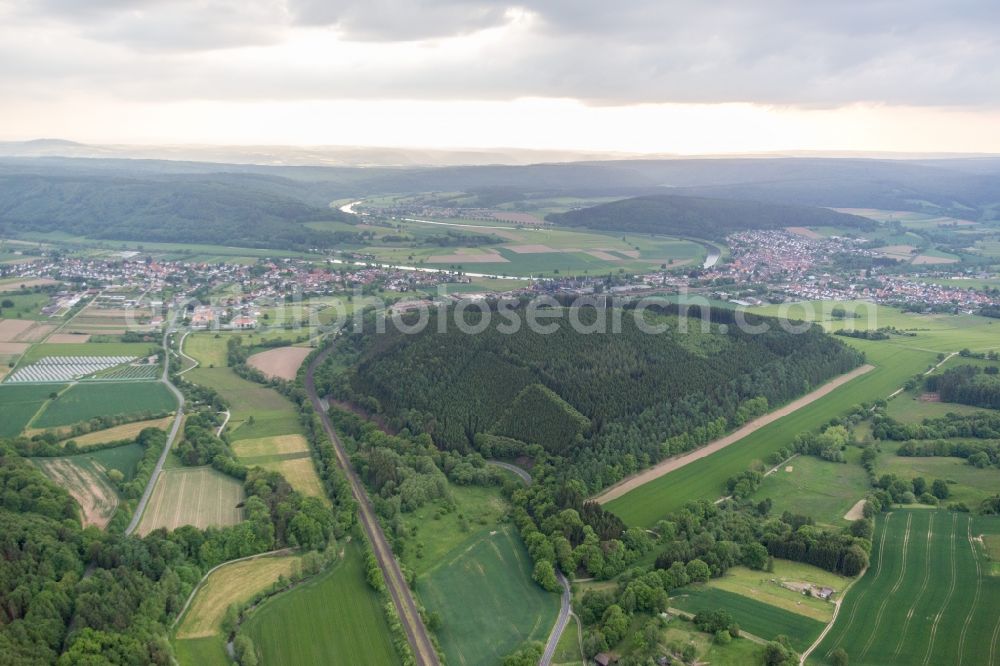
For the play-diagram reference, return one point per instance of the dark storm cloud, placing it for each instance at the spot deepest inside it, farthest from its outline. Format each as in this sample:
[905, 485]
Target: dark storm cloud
[778, 51]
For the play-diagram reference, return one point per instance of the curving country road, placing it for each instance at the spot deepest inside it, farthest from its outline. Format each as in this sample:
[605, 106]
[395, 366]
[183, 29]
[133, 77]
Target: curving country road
[560, 626]
[523, 474]
[406, 608]
[565, 608]
[171, 436]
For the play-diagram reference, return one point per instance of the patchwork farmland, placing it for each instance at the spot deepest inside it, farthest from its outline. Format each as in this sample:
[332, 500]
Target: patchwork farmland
[927, 598]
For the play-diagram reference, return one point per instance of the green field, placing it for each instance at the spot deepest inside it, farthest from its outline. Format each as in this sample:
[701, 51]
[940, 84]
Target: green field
[123, 458]
[20, 403]
[83, 402]
[273, 414]
[209, 651]
[817, 488]
[436, 531]
[908, 408]
[335, 618]
[486, 599]
[233, 583]
[896, 360]
[783, 587]
[927, 597]
[760, 619]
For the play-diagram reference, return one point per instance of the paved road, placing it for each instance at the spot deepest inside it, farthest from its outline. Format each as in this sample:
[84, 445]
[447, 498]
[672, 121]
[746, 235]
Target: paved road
[513, 468]
[171, 436]
[406, 608]
[565, 608]
[557, 631]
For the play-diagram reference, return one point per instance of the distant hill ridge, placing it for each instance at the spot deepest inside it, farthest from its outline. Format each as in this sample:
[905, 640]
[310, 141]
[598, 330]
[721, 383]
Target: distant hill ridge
[702, 217]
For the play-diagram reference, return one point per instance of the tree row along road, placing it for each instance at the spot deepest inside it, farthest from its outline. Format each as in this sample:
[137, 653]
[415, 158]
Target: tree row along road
[406, 608]
[171, 436]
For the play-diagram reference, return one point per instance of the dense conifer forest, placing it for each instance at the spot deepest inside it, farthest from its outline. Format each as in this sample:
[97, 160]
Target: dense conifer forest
[609, 403]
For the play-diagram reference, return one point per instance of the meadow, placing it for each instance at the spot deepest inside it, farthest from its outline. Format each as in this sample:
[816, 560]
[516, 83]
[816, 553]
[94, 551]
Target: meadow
[335, 617]
[756, 617]
[230, 584]
[966, 483]
[500, 607]
[198, 496]
[909, 408]
[82, 402]
[117, 433]
[287, 454]
[88, 484]
[782, 587]
[209, 651]
[84, 476]
[817, 488]
[927, 597]
[437, 531]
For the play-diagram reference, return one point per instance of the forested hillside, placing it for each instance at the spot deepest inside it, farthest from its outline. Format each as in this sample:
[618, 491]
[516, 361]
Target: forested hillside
[701, 218]
[244, 212]
[609, 403]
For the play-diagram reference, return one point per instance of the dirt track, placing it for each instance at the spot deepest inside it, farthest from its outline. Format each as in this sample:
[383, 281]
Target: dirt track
[676, 462]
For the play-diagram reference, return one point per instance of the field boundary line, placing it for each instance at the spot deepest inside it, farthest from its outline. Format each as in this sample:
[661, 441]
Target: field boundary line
[923, 586]
[895, 587]
[947, 599]
[674, 463]
[194, 590]
[843, 597]
[979, 589]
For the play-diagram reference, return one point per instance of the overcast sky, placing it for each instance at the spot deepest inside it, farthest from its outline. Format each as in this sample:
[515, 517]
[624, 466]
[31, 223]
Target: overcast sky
[632, 75]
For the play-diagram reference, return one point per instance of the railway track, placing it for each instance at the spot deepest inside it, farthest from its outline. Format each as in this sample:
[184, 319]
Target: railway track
[402, 598]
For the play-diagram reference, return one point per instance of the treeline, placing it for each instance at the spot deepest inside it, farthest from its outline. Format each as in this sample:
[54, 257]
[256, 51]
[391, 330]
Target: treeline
[700, 217]
[883, 333]
[978, 453]
[984, 425]
[611, 403]
[968, 385]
